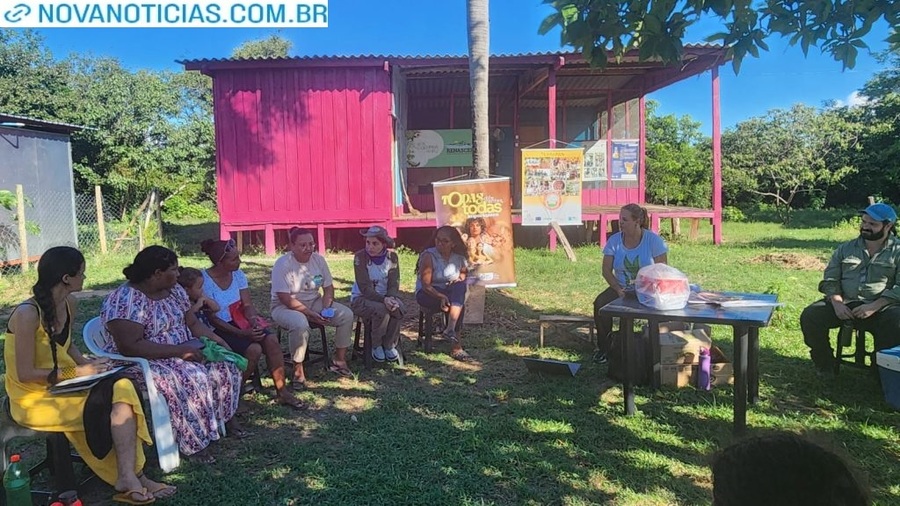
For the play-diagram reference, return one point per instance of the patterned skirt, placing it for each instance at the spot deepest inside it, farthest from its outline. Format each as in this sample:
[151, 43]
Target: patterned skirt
[198, 395]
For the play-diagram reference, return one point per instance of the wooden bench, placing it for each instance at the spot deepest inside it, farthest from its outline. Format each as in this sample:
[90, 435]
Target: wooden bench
[571, 322]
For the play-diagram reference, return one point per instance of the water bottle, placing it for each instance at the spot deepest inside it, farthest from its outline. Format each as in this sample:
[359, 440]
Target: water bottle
[703, 370]
[17, 483]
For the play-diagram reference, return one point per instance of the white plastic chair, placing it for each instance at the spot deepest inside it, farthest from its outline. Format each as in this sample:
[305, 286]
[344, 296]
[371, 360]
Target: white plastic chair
[164, 439]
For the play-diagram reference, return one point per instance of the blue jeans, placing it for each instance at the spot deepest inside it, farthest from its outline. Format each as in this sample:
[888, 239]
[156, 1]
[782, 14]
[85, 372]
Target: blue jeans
[456, 292]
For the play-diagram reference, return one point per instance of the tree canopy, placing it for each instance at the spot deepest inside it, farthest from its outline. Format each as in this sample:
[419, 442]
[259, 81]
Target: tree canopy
[657, 29]
[273, 46]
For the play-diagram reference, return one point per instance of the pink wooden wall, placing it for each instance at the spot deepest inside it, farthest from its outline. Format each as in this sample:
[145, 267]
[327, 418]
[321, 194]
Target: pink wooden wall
[309, 145]
[612, 196]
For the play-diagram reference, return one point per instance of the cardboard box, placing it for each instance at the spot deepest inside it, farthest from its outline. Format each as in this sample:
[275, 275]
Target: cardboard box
[677, 375]
[682, 375]
[721, 372]
[682, 347]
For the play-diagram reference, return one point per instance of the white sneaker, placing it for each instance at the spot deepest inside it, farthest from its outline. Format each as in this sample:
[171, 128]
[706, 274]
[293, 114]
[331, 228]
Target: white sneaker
[378, 354]
[391, 354]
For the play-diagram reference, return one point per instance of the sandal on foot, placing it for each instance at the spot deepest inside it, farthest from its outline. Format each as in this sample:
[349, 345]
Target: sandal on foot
[340, 370]
[461, 355]
[164, 491]
[296, 404]
[202, 458]
[298, 386]
[157, 489]
[239, 433]
[132, 497]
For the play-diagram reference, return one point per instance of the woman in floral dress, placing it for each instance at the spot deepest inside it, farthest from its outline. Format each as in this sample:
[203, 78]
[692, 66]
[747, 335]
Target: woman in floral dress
[149, 317]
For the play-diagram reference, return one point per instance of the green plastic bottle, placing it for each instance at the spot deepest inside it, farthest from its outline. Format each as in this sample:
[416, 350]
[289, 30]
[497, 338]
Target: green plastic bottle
[17, 483]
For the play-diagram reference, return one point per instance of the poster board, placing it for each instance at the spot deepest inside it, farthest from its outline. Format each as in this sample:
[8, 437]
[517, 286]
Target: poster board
[438, 148]
[625, 160]
[480, 210]
[551, 186]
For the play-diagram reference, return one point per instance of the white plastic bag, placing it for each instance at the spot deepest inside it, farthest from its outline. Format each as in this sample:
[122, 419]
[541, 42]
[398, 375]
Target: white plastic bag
[660, 286]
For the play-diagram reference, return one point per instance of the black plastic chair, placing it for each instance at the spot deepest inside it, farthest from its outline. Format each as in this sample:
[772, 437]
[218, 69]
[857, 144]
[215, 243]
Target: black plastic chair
[427, 328]
[363, 332]
[855, 339]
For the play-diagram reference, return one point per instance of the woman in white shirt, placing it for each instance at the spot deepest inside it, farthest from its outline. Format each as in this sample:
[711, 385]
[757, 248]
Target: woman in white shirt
[237, 320]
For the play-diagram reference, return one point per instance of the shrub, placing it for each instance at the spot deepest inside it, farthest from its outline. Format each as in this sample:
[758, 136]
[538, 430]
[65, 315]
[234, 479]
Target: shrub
[731, 213]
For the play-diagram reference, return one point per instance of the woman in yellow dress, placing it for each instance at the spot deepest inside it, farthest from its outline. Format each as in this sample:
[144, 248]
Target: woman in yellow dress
[35, 361]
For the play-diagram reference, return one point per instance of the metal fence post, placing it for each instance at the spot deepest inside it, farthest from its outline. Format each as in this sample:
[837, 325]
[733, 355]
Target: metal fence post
[101, 224]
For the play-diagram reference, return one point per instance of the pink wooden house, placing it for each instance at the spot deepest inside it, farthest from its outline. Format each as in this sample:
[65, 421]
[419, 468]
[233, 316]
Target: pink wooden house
[320, 141]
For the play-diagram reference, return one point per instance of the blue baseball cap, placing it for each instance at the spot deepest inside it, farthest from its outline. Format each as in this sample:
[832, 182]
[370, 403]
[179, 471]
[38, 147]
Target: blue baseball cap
[881, 212]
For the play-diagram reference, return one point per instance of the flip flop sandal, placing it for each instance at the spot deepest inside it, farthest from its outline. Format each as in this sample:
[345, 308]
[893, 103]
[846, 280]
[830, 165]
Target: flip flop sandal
[129, 497]
[296, 406]
[239, 433]
[202, 459]
[341, 370]
[298, 386]
[462, 356]
[161, 490]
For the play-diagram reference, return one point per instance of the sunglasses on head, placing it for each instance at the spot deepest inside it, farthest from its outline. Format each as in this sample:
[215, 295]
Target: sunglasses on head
[229, 247]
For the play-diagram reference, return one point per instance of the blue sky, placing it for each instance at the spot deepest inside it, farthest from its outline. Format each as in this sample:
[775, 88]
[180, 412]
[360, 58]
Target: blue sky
[778, 79]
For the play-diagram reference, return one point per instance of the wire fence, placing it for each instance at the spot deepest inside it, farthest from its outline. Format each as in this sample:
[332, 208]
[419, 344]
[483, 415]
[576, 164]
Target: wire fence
[59, 218]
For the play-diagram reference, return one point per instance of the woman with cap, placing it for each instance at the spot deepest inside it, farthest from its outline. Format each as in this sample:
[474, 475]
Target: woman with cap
[237, 319]
[376, 293]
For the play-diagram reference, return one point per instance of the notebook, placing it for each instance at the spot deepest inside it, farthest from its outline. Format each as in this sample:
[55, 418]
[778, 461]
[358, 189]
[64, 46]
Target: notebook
[83, 382]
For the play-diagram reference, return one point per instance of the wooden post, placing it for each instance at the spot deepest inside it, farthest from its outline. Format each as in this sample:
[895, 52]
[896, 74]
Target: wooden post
[554, 225]
[871, 200]
[101, 220]
[676, 227]
[240, 241]
[717, 159]
[695, 229]
[551, 128]
[159, 223]
[20, 217]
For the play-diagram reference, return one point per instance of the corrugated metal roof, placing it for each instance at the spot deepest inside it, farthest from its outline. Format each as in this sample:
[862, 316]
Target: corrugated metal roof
[399, 59]
[39, 124]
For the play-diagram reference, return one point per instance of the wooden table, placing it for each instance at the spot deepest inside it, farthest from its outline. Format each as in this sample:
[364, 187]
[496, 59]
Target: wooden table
[745, 322]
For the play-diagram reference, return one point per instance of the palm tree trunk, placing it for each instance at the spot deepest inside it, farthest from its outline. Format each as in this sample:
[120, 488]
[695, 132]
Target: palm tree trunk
[479, 54]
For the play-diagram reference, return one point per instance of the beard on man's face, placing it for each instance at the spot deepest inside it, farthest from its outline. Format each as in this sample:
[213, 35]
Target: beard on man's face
[871, 235]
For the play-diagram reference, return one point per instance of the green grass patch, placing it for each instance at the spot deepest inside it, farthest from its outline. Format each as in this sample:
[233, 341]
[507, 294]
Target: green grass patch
[443, 432]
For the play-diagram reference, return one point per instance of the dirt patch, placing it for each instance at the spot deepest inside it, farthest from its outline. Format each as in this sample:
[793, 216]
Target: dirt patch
[791, 261]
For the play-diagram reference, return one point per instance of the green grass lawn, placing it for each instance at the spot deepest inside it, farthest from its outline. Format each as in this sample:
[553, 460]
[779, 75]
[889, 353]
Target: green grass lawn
[443, 432]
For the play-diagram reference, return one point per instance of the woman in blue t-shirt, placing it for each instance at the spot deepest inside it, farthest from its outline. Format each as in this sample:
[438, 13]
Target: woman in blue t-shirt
[633, 247]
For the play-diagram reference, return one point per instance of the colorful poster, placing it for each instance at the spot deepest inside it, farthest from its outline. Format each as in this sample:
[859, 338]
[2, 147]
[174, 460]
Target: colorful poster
[438, 148]
[594, 160]
[625, 159]
[480, 210]
[551, 186]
